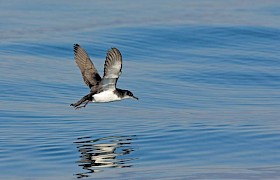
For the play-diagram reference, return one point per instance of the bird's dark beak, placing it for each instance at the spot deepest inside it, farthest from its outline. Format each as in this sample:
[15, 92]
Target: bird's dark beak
[135, 98]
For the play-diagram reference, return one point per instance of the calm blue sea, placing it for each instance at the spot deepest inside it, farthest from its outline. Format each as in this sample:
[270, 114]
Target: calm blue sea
[207, 74]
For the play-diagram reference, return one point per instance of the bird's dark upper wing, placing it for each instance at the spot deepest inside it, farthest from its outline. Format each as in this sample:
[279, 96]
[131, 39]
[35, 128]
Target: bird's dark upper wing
[89, 72]
[112, 69]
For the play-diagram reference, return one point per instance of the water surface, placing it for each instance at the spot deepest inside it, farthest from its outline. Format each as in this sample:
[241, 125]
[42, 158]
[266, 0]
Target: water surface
[207, 75]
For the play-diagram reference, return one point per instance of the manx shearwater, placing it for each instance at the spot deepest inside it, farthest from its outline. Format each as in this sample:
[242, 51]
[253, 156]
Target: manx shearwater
[101, 89]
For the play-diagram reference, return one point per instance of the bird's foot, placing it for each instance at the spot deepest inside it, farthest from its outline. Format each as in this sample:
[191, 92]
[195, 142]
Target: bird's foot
[78, 105]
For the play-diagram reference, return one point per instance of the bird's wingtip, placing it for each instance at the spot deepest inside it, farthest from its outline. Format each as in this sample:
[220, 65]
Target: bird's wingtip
[76, 46]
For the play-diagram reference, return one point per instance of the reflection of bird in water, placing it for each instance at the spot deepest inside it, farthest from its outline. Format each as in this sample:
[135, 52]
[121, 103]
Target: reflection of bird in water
[103, 153]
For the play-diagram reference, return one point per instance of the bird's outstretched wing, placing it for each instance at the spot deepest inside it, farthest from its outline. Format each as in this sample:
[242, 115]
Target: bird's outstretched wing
[89, 72]
[112, 69]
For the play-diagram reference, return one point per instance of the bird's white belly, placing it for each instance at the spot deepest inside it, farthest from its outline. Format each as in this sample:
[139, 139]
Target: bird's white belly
[106, 96]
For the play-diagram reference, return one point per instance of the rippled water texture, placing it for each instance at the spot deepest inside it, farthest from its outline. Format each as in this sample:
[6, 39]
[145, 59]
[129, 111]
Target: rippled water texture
[207, 74]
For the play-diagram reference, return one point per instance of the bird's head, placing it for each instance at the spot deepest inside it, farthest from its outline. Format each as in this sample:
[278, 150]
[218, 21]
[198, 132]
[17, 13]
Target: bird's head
[129, 94]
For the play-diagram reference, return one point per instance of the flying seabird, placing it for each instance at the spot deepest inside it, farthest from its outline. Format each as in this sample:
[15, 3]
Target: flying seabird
[101, 89]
